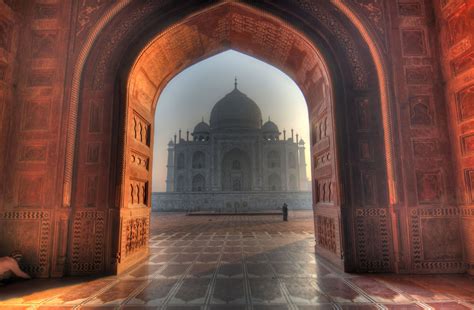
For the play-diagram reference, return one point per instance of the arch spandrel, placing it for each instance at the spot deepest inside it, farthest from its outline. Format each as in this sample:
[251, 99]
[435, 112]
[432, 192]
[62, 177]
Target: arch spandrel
[235, 27]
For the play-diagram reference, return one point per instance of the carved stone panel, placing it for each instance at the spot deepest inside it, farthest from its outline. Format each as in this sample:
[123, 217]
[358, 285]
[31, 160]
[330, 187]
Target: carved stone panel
[373, 240]
[31, 187]
[467, 144]
[33, 152]
[462, 63]
[87, 245]
[425, 148]
[141, 129]
[436, 244]
[138, 193]
[429, 186]
[441, 239]
[413, 8]
[35, 229]
[45, 10]
[364, 114]
[413, 42]
[469, 183]
[326, 233]
[136, 234]
[465, 103]
[421, 111]
[459, 26]
[95, 117]
[324, 191]
[44, 44]
[91, 190]
[366, 150]
[139, 160]
[41, 77]
[93, 153]
[368, 188]
[36, 115]
[418, 75]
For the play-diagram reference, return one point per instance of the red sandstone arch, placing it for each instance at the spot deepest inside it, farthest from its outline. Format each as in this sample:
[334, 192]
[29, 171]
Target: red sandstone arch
[337, 69]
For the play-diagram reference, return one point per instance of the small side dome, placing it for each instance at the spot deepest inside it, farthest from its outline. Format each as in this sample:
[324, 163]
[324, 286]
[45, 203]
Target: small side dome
[270, 127]
[202, 127]
[201, 132]
[301, 142]
[270, 131]
[170, 143]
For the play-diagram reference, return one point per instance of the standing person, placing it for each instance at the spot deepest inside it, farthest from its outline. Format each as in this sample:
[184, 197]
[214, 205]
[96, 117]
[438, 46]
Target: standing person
[285, 212]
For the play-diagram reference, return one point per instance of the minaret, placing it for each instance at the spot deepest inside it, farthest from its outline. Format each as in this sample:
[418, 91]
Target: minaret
[170, 168]
[302, 166]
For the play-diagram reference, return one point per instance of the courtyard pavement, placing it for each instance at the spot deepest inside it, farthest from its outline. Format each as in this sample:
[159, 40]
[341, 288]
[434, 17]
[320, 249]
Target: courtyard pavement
[239, 262]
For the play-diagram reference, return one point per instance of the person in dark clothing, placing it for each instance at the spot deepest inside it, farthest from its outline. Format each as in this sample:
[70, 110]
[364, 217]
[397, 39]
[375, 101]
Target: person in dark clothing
[285, 212]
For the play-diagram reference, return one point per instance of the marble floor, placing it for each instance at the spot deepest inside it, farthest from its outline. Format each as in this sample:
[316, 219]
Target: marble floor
[239, 262]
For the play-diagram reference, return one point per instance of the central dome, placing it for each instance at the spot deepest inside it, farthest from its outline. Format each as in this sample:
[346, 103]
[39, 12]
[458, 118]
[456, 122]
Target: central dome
[236, 110]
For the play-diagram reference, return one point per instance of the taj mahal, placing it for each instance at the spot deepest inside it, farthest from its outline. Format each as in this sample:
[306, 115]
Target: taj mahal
[236, 163]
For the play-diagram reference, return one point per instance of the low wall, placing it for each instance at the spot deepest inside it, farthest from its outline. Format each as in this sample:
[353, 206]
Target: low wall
[230, 201]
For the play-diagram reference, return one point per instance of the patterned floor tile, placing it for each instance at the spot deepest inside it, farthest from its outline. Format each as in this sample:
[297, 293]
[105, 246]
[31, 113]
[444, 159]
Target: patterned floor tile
[316, 307]
[117, 293]
[204, 270]
[266, 291]
[146, 270]
[401, 306]
[288, 270]
[208, 258]
[229, 291]
[231, 270]
[173, 271]
[337, 290]
[378, 291]
[154, 293]
[230, 261]
[448, 306]
[303, 291]
[191, 291]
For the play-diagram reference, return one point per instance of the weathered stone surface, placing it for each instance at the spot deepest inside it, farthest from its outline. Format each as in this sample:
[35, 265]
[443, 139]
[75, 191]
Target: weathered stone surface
[79, 81]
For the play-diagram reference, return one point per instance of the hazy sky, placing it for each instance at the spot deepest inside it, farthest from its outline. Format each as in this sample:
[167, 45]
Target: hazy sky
[193, 92]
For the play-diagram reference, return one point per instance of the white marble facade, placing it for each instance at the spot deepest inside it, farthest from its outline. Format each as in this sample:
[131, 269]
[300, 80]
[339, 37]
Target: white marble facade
[235, 153]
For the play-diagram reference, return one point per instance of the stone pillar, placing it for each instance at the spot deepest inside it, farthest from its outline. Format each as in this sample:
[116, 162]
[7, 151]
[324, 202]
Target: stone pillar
[284, 167]
[170, 168]
[303, 181]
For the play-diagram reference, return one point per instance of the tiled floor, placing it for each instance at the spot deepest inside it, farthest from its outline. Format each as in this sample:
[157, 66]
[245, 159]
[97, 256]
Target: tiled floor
[240, 262]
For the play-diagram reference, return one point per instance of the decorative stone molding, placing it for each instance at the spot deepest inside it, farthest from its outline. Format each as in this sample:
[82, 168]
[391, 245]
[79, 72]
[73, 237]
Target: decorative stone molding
[88, 232]
[38, 250]
[374, 242]
[436, 246]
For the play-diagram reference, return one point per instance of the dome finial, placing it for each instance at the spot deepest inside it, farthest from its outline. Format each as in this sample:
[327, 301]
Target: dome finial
[235, 83]
[268, 117]
[202, 119]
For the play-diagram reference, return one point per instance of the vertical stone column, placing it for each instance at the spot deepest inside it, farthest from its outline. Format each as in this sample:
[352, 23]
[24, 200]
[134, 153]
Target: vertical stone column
[170, 168]
[260, 163]
[302, 167]
[284, 167]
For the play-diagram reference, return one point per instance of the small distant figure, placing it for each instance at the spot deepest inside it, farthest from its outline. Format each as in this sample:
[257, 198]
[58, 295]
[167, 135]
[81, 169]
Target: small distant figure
[9, 267]
[285, 212]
